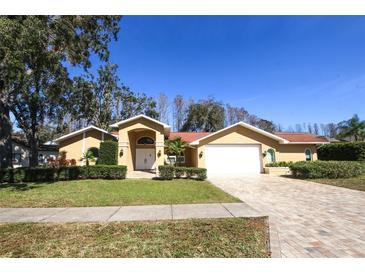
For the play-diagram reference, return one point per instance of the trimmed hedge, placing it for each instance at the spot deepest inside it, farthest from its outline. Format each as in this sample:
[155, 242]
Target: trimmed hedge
[327, 169]
[103, 172]
[168, 172]
[62, 173]
[108, 153]
[351, 151]
[280, 164]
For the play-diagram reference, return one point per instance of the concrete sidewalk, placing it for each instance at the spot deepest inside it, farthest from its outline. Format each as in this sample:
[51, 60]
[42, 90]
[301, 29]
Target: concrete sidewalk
[127, 213]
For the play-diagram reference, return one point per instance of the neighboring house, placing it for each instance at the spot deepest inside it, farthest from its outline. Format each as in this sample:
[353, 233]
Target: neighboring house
[77, 143]
[21, 152]
[234, 150]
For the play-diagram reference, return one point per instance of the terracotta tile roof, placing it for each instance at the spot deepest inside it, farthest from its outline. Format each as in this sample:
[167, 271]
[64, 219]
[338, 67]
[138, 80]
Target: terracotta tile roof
[301, 137]
[188, 136]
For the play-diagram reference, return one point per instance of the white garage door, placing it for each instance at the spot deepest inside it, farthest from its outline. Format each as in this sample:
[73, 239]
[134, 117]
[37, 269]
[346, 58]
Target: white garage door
[232, 160]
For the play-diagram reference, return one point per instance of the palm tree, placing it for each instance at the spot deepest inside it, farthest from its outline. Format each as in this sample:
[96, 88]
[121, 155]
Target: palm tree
[89, 157]
[353, 127]
[176, 147]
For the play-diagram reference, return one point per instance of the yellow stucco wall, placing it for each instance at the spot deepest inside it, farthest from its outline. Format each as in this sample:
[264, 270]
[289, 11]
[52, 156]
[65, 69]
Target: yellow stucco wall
[74, 145]
[241, 135]
[130, 132]
[295, 153]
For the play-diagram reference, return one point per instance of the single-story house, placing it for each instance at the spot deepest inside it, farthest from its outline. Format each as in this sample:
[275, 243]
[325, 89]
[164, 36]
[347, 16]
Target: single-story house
[21, 152]
[238, 149]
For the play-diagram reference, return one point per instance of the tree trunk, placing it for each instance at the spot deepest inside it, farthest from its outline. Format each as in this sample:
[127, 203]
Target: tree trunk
[6, 150]
[33, 159]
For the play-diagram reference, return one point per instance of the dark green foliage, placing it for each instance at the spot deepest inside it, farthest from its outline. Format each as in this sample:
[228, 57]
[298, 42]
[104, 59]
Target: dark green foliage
[182, 172]
[38, 52]
[206, 115]
[200, 173]
[166, 172]
[327, 169]
[103, 172]
[351, 151]
[266, 125]
[12, 175]
[108, 153]
[353, 128]
[179, 172]
[280, 164]
[130, 104]
[64, 173]
[94, 151]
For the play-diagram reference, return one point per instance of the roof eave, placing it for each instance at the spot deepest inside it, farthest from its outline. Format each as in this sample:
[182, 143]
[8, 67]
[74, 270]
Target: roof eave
[116, 125]
[263, 132]
[71, 134]
[307, 143]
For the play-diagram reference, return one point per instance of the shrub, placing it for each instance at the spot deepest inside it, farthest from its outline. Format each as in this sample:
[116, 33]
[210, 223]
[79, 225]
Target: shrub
[166, 172]
[180, 172]
[62, 173]
[351, 151]
[39, 174]
[200, 173]
[327, 169]
[68, 173]
[62, 158]
[279, 164]
[11, 175]
[108, 153]
[169, 172]
[103, 172]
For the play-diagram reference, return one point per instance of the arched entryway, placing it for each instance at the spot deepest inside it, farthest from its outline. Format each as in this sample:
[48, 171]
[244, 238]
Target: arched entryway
[145, 153]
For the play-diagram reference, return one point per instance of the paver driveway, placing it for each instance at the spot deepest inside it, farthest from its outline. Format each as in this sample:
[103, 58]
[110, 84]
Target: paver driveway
[310, 219]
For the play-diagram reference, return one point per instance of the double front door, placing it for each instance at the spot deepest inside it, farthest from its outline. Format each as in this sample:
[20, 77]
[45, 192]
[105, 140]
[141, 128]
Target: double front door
[145, 158]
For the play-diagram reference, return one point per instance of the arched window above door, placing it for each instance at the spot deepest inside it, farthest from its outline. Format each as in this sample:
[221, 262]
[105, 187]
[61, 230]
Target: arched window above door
[145, 141]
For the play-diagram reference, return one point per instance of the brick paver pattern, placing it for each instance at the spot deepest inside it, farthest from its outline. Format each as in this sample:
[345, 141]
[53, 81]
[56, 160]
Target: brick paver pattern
[310, 219]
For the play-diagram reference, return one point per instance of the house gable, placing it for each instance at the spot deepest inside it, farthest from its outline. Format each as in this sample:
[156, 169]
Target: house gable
[238, 134]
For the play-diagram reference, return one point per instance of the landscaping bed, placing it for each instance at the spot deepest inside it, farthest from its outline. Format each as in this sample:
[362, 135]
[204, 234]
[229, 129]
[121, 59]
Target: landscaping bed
[231, 237]
[357, 183]
[98, 192]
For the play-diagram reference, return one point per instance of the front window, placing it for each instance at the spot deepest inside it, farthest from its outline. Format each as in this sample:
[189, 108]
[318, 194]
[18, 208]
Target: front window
[308, 154]
[173, 159]
[181, 159]
[271, 156]
[17, 158]
[40, 159]
[145, 141]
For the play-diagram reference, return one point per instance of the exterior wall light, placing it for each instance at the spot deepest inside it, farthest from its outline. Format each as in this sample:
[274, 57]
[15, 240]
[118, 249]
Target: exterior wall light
[159, 154]
[121, 153]
[201, 154]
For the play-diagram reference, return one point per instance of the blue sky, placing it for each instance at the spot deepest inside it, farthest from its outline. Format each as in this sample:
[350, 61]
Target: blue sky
[288, 69]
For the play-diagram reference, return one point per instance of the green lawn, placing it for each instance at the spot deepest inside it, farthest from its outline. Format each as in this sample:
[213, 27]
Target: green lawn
[231, 237]
[357, 183]
[110, 192]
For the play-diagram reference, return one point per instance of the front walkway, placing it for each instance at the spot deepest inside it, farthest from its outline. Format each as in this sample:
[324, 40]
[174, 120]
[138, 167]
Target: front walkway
[139, 174]
[127, 213]
[306, 219]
